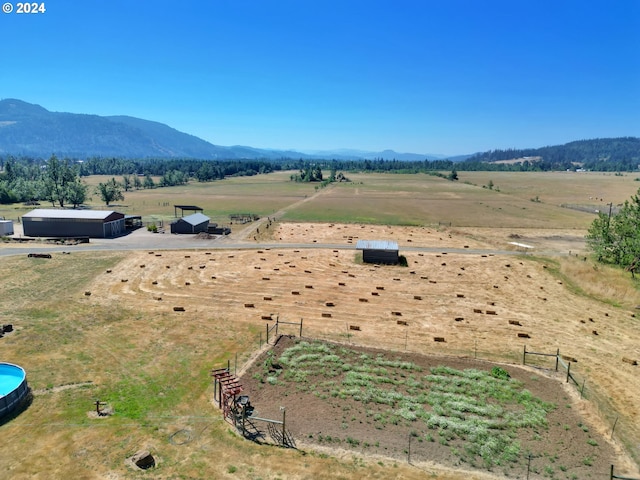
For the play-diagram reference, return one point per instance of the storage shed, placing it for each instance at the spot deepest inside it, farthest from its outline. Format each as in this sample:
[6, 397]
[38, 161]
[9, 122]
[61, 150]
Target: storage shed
[378, 251]
[6, 227]
[48, 222]
[195, 223]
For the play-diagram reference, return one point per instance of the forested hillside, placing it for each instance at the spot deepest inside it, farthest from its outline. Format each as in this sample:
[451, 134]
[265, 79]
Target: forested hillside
[601, 154]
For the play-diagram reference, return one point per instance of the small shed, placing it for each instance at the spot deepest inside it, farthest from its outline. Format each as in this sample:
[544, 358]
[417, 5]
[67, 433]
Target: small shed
[195, 223]
[6, 228]
[49, 222]
[379, 251]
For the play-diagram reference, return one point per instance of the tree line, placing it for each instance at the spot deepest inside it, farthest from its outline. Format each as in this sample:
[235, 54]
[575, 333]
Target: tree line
[26, 179]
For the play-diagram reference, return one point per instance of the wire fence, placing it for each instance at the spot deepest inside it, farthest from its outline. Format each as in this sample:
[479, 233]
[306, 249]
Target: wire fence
[621, 428]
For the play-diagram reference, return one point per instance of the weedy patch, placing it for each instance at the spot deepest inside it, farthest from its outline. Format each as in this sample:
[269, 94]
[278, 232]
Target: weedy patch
[478, 414]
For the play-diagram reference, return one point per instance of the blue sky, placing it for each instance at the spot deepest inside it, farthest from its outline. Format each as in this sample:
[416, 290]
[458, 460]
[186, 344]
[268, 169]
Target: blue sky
[448, 77]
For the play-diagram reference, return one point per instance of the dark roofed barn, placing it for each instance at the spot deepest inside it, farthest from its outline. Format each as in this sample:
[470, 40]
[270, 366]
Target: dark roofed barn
[379, 251]
[195, 223]
[49, 222]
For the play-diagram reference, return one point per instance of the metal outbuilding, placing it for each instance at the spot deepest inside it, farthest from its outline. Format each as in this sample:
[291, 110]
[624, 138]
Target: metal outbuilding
[6, 227]
[195, 223]
[49, 222]
[379, 251]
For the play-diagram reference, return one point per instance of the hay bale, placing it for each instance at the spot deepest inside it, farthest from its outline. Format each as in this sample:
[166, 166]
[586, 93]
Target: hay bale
[329, 304]
[491, 312]
[354, 327]
[342, 284]
[629, 361]
[402, 322]
[308, 286]
[87, 294]
[108, 271]
[249, 305]
[477, 310]
[460, 295]
[295, 292]
[266, 317]
[523, 335]
[123, 280]
[515, 322]
[326, 315]
[379, 288]
[266, 299]
[397, 314]
[178, 309]
[459, 319]
[417, 297]
[364, 300]
[142, 266]
[439, 339]
[157, 298]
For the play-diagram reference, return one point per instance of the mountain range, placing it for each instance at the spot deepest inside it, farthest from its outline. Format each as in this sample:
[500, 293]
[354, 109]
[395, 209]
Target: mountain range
[30, 130]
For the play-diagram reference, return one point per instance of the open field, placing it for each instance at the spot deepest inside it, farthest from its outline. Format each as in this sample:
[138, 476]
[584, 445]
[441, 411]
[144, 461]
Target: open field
[125, 345]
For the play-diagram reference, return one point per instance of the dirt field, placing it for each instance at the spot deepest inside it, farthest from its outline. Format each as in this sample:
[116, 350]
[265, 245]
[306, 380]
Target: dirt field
[471, 300]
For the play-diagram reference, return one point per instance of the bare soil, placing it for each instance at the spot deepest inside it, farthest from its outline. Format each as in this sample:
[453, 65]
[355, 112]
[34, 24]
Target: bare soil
[325, 421]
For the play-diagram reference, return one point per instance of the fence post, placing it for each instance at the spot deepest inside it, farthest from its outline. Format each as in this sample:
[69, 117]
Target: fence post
[284, 413]
[611, 474]
[524, 356]
[301, 327]
[613, 429]
[557, 358]
[568, 371]
[267, 333]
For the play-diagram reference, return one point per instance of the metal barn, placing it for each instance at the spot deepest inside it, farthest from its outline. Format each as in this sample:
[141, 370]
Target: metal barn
[195, 223]
[378, 251]
[48, 222]
[6, 227]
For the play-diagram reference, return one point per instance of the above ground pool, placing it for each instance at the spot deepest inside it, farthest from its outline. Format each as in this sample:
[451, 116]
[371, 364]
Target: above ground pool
[13, 387]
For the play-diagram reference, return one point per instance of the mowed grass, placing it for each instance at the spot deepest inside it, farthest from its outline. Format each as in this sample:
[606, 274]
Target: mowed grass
[152, 369]
[391, 199]
[427, 200]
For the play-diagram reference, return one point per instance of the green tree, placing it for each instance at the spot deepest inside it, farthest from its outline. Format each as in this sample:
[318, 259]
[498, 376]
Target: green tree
[77, 193]
[58, 177]
[453, 176]
[137, 184]
[126, 182]
[110, 191]
[148, 182]
[615, 238]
